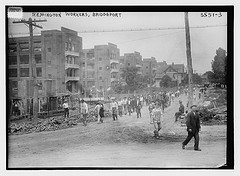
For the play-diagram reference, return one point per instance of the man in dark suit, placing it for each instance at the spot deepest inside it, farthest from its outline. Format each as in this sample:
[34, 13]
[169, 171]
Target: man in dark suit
[193, 128]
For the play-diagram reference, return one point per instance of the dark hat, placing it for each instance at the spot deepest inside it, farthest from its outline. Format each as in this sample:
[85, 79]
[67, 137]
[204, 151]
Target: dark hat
[193, 106]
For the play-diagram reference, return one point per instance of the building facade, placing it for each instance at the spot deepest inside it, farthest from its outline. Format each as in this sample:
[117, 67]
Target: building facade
[56, 55]
[149, 67]
[175, 71]
[100, 67]
[132, 60]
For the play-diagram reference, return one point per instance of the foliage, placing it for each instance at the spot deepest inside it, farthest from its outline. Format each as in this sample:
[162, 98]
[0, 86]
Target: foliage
[196, 79]
[166, 81]
[219, 67]
[133, 80]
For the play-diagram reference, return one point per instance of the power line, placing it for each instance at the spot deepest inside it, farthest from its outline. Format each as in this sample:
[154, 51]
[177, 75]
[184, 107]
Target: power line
[148, 37]
[137, 30]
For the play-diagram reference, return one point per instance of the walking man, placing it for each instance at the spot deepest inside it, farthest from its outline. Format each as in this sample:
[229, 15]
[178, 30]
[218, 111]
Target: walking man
[193, 128]
[66, 109]
[97, 109]
[114, 107]
[84, 111]
[150, 108]
[157, 119]
[138, 108]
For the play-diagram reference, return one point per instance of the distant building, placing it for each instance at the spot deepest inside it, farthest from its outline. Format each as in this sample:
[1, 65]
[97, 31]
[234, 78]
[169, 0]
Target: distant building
[132, 60]
[175, 71]
[100, 67]
[149, 66]
[56, 54]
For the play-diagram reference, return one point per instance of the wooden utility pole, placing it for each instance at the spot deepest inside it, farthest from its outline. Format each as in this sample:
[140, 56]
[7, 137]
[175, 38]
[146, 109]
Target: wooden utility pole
[32, 64]
[150, 77]
[189, 61]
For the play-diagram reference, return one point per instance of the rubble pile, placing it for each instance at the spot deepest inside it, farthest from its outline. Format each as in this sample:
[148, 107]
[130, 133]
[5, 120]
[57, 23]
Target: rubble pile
[48, 124]
[213, 110]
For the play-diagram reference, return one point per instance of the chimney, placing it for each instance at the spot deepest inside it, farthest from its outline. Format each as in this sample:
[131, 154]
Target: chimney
[172, 63]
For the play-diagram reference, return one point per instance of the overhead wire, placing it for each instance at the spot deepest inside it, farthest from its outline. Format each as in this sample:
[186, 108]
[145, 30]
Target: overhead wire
[135, 30]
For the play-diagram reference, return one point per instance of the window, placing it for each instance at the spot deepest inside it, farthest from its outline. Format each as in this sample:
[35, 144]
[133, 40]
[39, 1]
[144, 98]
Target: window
[146, 66]
[66, 46]
[70, 47]
[49, 62]
[100, 78]
[24, 59]
[73, 47]
[12, 72]
[13, 60]
[39, 72]
[12, 47]
[100, 68]
[24, 46]
[37, 49]
[83, 64]
[38, 58]
[49, 49]
[100, 59]
[128, 64]
[24, 72]
[39, 83]
[50, 76]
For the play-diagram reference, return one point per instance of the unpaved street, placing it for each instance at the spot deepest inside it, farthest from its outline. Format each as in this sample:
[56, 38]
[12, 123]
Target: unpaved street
[127, 142]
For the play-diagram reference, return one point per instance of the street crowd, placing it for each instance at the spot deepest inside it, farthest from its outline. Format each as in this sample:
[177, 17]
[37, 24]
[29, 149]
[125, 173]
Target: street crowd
[156, 102]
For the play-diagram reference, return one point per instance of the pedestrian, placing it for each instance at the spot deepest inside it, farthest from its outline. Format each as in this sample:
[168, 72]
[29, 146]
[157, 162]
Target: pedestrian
[114, 108]
[129, 106]
[84, 111]
[120, 108]
[193, 128]
[124, 104]
[101, 112]
[66, 109]
[97, 109]
[157, 119]
[180, 111]
[150, 108]
[138, 108]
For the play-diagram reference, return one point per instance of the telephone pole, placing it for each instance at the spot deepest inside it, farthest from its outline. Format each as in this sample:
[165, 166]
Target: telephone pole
[150, 77]
[32, 64]
[189, 61]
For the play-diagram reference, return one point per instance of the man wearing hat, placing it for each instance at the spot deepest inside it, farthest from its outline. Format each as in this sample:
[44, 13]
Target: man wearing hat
[180, 111]
[193, 128]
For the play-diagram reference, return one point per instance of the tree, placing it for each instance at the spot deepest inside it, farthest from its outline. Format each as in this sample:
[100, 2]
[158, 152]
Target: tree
[133, 80]
[219, 66]
[166, 81]
[195, 78]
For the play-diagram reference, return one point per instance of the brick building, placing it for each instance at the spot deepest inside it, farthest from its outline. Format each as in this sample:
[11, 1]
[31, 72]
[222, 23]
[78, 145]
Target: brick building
[56, 54]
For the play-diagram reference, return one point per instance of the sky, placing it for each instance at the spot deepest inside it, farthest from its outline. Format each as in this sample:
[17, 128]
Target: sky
[165, 45]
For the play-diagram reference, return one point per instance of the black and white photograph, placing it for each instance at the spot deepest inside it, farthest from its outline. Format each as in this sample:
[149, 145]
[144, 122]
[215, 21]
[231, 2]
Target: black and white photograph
[110, 87]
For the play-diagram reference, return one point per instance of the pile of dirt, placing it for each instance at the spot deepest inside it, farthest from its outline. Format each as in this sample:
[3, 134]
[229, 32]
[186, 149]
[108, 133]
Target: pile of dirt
[213, 110]
[49, 124]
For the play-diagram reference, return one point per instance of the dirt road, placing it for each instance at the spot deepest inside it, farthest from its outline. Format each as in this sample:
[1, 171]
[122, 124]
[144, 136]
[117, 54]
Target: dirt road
[127, 142]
